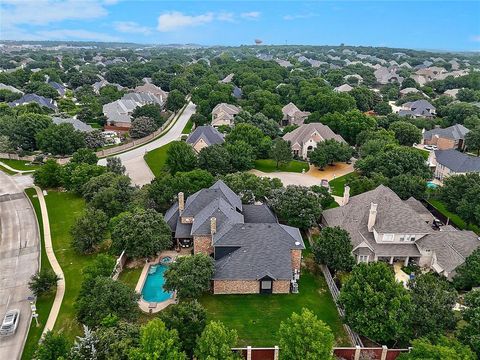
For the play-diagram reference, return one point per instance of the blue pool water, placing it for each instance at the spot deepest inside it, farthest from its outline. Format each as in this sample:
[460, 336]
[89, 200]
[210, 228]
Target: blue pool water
[153, 288]
[431, 185]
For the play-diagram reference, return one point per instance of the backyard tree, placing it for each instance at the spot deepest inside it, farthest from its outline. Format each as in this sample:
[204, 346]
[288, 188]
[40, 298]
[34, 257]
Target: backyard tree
[242, 155]
[281, 152]
[303, 336]
[334, 248]
[116, 341]
[141, 233]
[268, 126]
[157, 342]
[199, 120]
[175, 100]
[43, 281]
[406, 133]
[180, 157]
[406, 186]
[60, 139]
[84, 346]
[248, 133]
[189, 318]
[468, 274]
[49, 175]
[472, 140]
[330, 151]
[383, 108]
[24, 128]
[215, 159]
[297, 205]
[53, 346]
[76, 175]
[442, 348]
[152, 111]
[89, 230]
[106, 297]
[470, 332]
[190, 276]
[433, 298]
[142, 126]
[216, 342]
[250, 187]
[114, 165]
[84, 156]
[375, 304]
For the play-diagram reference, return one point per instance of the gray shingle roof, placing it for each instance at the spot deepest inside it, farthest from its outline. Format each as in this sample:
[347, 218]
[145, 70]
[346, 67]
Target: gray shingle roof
[40, 100]
[455, 132]
[303, 133]
[77, 124]
[457, 161]
[420, 209]
[209, 134]
[258, 214]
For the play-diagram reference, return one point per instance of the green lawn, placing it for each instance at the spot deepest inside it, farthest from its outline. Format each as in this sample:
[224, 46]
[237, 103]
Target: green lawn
[20, 164]
[44, 302]
[7, 171]
[63, 209]
[338, 184]
[188, 127]
[454, 218]
[130, 276]
[257, 317]
[269, 165]
[156, 159]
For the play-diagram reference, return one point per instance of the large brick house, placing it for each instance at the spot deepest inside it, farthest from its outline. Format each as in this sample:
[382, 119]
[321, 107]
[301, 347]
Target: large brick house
[253, 253]
[452, 137]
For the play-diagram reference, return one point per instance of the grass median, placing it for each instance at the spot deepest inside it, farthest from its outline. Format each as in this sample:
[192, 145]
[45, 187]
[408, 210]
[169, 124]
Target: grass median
[269, 165]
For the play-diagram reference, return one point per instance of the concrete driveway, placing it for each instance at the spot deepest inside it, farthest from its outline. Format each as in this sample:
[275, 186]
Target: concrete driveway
[19, 259]
[137, 168]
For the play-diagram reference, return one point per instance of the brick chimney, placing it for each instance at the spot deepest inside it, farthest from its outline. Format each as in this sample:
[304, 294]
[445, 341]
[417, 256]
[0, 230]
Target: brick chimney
[213, 225]
[181, 202]
[346, 195]
[372, 216]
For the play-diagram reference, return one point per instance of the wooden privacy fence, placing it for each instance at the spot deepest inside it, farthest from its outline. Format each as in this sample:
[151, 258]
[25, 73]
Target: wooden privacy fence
[344, 353]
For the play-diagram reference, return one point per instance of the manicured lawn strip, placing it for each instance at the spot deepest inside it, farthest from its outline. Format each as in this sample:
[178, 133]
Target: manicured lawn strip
[63, 209]
[156, 159]
[337, 185]
[44, 302]
[7, 171]
[269, 165]
[188, 127]
[257, 317]
[20, 164]
[454, 218]
[130, 276]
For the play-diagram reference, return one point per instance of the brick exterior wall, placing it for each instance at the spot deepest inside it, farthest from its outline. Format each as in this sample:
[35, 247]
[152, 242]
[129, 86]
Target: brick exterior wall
[442, 143]
[202, 244]
[296, 259]
[248, 287]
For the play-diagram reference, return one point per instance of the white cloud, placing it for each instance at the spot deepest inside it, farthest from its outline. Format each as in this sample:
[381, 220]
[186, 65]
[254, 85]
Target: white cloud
[131, 27]
[72, 34]
[250, 15]
[298, 16]
[174, 20]
[225, 16]
[475, 38]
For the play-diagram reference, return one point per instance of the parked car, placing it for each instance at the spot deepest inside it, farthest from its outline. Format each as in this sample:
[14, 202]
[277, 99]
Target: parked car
[430, 147]
[10, 322]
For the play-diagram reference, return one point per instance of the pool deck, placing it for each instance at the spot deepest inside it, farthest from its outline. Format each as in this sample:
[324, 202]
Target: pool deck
[154, 307]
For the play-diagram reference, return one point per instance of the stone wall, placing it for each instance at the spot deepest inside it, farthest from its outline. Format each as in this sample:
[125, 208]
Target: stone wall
[296, 259]
[281, 287]
[236, 287]
[202, 244]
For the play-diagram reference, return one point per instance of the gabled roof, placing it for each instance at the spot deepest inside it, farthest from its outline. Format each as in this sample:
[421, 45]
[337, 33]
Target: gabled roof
[343, 88]
[10, 88]
[77, 124]
[40, 100]
[457, 161]
[227, 79]
[290, 109]
[258, 214]
[454, 132]
[152, 89]
[304, 132]
[209, 134]
[57, 86]
[227, 108]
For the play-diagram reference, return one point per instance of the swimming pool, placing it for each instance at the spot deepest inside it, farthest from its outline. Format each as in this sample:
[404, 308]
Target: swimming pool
[153, 287]
[431, 185]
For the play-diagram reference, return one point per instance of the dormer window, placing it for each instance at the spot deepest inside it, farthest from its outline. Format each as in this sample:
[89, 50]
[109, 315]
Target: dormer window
[388, 237]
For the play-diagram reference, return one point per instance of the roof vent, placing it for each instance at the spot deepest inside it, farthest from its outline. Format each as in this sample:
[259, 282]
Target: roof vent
[297, 243]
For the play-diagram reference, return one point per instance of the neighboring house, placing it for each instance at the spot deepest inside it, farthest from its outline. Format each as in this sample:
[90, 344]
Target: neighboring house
[284, 63]
[419, 108]
[10, 88]
[154, 90]
[292, 115]
[383, 227]
[100, 84]
[59, 87]
[451, 92]
[359, 78]
[237, 93]
[452, 137]
[227, 79]
[77, 124]
[343, 88]
[306, 137]
[453, 162]
[224, 114]
[40, 100]
[385, 75]
[409, 90]
[253, 253]
[204, 136]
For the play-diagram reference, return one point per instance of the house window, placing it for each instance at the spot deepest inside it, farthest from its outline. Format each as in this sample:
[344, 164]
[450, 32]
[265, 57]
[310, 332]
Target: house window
[402, 238]
[363, 258]
[266, 284]
[388, 237]
[412, 238]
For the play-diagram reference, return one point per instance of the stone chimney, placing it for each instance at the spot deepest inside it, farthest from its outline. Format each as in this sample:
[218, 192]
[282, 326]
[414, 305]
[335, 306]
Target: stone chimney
[372, 216]
[346, 195]
[213, 225]
[181, 202]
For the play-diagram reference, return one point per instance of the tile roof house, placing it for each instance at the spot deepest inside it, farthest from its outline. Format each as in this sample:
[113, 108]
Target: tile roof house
[40, 100]
[408, 90]
[100, 84]
[154, 90]
[204, 136]
[61, 89]
[10, 88]
[227, 79]
[451, 92]
[224, 114]
[387, 75]
[306, 137]
[419, 108]
[77, 124]
[383, 227]
[452, 137]
[343, 88]
[453, 162]
[253, 253]
[292, 115]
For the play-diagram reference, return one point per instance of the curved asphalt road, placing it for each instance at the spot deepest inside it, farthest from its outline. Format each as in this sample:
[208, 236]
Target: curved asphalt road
[19, 258]
[137, 168]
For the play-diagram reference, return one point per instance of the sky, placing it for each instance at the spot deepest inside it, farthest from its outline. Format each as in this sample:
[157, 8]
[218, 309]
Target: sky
[431, 25]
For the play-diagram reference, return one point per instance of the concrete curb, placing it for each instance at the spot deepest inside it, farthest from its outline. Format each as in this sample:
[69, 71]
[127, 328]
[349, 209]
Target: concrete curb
[57, 302]
[15, 170]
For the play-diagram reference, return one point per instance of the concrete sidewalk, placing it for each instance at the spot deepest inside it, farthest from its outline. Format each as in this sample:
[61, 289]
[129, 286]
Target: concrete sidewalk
[57, 302]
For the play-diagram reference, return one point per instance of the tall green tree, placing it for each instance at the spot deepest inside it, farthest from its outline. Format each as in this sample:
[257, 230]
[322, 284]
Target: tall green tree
[330, 151]
[216, 342]
[50, 175]
[250, 187]
[334, 248]
[472, 140]
[442, 349]
[281, 152]
[215, 159]
[469, 333]
[89, 230]
[468, 274]
[60, 139]
[406, 133]
[180, 157]
[304, 336]
[175, 100]
[53, 346]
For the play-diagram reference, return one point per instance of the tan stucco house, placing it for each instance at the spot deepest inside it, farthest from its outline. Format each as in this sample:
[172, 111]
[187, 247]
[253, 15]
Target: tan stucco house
[292, 115]
[224, 114]
[204, 136]
[253, 253]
